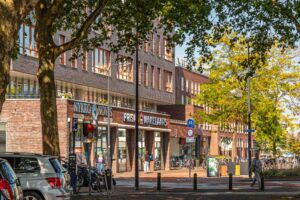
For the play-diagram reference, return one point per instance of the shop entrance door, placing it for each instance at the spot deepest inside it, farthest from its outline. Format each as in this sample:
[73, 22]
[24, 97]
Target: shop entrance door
[141, 149]
[122, 150]
[157, 151]
[102, 142]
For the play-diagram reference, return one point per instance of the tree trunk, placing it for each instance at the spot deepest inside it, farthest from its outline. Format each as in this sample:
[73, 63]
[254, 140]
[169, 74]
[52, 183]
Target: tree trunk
[48, 107]
[10, 22]
[274, 149]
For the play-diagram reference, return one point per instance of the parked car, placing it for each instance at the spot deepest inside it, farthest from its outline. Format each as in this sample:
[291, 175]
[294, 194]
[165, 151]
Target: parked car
[9, 183]
[42, 177]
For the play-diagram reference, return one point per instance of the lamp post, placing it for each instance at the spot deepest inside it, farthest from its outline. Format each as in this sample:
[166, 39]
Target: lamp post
[136, 114]
[249, 115]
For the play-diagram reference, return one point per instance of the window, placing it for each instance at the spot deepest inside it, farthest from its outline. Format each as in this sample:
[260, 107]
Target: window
[140, 73]
[62, 58]
[187, 85]
[199, 88]
[101, 61]
[102, 22]
[26, 41]
[85, 61]
[151, 43]
[73, 60]
[168, 81]
[23, 164]
[152, 77]
[182, 99]
[146, 74]
[192, 87]
[125, 69]
[2, 137]
[182, 83]
[145, 46]
[159, 78]
[158, 46]
[168, 50]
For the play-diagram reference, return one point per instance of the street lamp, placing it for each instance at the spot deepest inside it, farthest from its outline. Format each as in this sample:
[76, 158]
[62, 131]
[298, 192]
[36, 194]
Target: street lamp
[249, 115]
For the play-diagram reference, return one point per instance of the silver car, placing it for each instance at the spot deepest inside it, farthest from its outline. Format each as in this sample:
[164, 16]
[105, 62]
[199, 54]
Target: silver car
[42, 177]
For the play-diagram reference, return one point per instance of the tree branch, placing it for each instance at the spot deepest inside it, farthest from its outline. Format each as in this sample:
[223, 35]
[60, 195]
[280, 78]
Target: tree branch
[82, 31]
[52, 11]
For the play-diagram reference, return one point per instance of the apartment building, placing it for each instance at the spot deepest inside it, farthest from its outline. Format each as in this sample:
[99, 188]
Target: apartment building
[83, 84]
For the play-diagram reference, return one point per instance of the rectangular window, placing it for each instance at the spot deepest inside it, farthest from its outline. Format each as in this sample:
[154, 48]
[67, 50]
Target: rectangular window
[101, 61]
[145, 46]
[73, 60]
[140, 73]
[168, 81]
[192, 87]
[187, 85]
[151, 43]
[26, 41]
[85, 61]
[2, 137]
[152, 77]
[159, 78]
[62, 58]
[158, 46]
[182, 83]
[125, 69]
[168, 50]
[199, 88]
[146, 74]
[182, 99]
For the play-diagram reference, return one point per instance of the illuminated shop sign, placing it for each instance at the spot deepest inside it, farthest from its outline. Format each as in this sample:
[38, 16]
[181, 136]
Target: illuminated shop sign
[145, 119]
[86, 108]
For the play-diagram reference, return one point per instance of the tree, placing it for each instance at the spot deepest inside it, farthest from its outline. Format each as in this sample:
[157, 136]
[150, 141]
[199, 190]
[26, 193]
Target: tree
[294, 144]
[275, 86]
[11, 15]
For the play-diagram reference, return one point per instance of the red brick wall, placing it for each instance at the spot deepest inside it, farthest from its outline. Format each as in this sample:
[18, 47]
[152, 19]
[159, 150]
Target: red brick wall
[23, 126]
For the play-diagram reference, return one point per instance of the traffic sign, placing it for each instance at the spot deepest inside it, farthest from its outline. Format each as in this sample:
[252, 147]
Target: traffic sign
[190, 139]
[249, 131]
[190, 133]
[190, 123]
[74, 124]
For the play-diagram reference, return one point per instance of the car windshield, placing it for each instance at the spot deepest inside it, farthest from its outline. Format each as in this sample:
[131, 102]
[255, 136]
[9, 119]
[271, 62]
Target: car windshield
[7, 172]
[56, 165]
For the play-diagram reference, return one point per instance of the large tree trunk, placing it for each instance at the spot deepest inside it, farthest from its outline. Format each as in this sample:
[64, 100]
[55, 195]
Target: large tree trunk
[48, 107]
[10, 22]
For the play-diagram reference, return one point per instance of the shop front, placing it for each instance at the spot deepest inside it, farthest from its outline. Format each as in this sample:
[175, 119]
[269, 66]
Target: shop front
[90, 144]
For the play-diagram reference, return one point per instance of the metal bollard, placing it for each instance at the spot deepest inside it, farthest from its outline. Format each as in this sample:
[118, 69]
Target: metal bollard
[158, 181]
[262, 182]
[230, 181]
[195, 181]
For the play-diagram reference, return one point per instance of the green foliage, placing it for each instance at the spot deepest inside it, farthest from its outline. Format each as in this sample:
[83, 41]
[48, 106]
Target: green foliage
[274, 87]
[281, 172]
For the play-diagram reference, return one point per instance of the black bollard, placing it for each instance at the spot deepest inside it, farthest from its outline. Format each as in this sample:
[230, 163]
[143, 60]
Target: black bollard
[195, 181]
[262, 182]
[230, 181]
[158, 181]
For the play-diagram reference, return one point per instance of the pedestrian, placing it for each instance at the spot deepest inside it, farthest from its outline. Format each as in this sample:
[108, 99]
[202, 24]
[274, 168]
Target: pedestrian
[256, 168]
[100, 163]
[146, 162]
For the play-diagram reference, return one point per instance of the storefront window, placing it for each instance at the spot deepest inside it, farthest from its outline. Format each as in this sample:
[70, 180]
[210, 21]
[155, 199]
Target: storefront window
[157, 151]
[102, 141]
[2, 137]
[141, 149]
[122, 150]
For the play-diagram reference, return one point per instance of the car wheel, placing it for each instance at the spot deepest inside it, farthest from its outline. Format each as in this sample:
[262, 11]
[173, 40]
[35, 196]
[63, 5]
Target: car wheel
[32, 196]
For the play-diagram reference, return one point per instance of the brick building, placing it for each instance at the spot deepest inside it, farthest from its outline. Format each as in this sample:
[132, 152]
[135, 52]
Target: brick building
[210, 139]
[81, 85]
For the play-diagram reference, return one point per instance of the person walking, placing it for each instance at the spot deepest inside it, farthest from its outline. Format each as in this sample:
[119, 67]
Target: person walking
[256, 168]
[146, 162]
[100, 163]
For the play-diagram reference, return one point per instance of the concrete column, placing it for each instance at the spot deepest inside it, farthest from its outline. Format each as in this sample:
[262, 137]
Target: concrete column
[214, 142]
[166, 151]
[114, 149]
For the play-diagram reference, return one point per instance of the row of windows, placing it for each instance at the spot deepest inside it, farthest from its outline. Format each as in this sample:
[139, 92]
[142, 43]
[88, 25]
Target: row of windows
[190, 86]
[28, 88]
